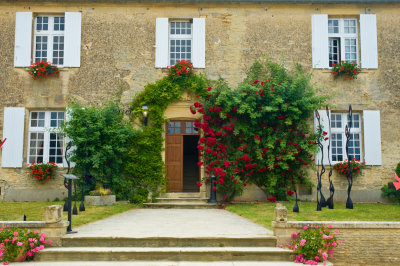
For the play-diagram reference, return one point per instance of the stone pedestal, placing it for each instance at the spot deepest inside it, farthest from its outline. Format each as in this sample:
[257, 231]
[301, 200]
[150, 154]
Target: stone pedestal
[53, 214]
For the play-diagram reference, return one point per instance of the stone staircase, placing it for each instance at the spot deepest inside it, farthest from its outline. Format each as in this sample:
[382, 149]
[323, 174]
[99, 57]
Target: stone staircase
[181, 200]
[200, 249]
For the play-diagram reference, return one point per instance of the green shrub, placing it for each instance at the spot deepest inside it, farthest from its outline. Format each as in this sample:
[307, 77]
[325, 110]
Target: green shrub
[259, 132]
[106, 136]
[391, 193]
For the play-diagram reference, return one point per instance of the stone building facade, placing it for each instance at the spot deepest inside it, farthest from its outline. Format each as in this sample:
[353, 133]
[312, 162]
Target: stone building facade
[106, 46]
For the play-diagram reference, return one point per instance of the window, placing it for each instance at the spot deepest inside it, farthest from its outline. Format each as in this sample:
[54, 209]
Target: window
[180, 41]
[45, 144]
[343, 40]
[52, 37]
[49, 39]
[182, 127]
[338, 137]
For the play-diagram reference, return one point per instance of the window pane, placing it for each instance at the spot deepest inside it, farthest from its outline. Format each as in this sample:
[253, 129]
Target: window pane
[36, 147]
[41, 48]
[56, 119]
[350, 50]
[336, 147]
[58, 23]
[333, 26]
[55, 148]
[58, 46]
[354, 146]
[336, 120]
[350, 26]
[334, 51]
[42, 23]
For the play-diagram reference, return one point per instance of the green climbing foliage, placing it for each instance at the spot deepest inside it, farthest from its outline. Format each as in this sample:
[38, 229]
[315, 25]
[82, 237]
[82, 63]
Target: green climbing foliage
[145, 162]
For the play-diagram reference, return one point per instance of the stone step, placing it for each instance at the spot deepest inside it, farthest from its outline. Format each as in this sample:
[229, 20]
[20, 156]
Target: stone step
[182, 200]
[181, 205]
[165, 254]
[72, 241]
[161, 263]
[180, 195]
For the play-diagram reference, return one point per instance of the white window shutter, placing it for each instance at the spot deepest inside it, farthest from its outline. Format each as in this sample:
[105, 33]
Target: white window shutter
[67, 140]
[199, 43]
[325, 127]
[320, 43]
[72, 39]
[162, 47]
[13, 130]
[369, 45]
[372, 137]
[23, 39]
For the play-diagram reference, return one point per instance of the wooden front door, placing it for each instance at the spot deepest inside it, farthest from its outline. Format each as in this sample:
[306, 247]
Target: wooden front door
[174, 161]
[174, 152]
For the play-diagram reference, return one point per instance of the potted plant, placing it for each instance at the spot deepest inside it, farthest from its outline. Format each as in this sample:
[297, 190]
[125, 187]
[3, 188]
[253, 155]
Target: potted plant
[345, 69]
[43, 69]
[42, 172]
[100, 197]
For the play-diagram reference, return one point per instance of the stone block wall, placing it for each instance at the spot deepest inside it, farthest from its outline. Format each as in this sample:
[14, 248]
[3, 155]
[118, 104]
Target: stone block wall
[364, 243]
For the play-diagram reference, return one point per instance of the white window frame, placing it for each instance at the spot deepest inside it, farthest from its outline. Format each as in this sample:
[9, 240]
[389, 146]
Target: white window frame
[342, 36]
[180, 37]
[46, 130]
[341, 130]
[50, 33]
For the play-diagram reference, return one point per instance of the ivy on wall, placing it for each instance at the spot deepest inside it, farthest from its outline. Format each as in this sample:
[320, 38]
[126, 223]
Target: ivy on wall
[145, 162]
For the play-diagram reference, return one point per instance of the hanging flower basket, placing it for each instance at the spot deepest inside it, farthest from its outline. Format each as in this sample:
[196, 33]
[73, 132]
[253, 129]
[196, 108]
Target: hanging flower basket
[42, 171]
[43, 70]
[345, 69]
[356, 167]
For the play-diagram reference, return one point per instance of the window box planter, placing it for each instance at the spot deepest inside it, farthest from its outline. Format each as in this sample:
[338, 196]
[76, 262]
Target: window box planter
[100, 200]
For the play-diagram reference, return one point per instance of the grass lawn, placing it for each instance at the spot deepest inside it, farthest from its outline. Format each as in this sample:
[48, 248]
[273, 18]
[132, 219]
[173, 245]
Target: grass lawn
[263, 213]
[34, 211]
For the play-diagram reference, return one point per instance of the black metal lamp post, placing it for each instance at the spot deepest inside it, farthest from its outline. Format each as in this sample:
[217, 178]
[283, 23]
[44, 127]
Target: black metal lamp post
[69, 177]
[213, 198]
[145, 114]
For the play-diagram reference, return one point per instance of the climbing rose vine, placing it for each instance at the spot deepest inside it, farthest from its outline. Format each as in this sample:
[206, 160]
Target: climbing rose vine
[258, 132]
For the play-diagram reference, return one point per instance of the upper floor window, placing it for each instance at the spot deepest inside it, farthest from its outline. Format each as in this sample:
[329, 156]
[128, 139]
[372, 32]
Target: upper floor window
[343, 40]
[55, 38]
[49, 39]
[45, 144]
[180, 41]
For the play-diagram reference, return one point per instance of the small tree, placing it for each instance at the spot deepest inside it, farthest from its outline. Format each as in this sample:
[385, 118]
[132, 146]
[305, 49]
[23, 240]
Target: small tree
[101, 137]
[259, 132]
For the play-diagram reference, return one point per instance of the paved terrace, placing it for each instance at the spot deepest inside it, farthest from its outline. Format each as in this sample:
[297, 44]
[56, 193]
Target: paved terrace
[177, 223]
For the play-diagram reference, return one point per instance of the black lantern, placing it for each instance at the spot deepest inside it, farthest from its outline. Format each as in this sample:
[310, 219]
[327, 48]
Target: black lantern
[145, 114]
